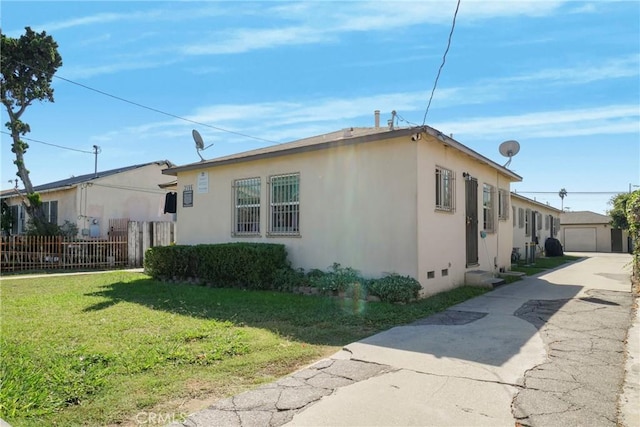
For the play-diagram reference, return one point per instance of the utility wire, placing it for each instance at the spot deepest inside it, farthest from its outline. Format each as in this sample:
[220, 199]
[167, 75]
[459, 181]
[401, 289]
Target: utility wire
[155, 110]
[444, 58]
[53, 145]
[571, 192]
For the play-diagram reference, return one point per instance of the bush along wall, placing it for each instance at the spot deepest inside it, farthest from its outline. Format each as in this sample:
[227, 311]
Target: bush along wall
[265, 266]
[245, 265]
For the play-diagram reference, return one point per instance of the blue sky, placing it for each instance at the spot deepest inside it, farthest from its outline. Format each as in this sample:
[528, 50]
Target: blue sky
[561, 77]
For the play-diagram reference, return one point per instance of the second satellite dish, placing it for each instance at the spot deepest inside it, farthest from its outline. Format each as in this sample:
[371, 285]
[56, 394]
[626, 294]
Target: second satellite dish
[199, 143]
[509, 149]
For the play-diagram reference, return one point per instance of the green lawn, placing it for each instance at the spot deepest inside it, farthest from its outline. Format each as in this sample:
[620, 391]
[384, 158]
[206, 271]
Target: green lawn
[98, 349]
[541, 264]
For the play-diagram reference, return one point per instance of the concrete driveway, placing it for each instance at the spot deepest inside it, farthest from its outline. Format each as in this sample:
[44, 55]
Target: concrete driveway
[548, 350]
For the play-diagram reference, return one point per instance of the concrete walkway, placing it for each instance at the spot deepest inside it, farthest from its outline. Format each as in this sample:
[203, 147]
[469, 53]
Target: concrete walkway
[548, 350]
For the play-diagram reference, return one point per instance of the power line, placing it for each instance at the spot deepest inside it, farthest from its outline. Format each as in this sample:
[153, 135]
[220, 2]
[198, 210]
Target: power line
[571, 192]
[53, 145]
[155, 110]
[444, 58]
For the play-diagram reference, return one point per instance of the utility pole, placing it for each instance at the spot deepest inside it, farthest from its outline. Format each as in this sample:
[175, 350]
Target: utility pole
[96, 150]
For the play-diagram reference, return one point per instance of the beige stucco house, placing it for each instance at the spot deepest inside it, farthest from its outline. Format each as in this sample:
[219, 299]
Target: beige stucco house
[91, 200]
[533, 223]
[411, 201]
[586, 231]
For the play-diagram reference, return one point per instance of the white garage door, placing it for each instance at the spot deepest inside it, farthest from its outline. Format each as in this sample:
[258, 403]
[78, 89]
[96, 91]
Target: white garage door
[580, 239]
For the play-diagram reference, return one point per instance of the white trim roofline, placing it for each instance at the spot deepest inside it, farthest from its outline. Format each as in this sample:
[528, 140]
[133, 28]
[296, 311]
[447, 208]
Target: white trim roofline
[535, 202]
[343, 137]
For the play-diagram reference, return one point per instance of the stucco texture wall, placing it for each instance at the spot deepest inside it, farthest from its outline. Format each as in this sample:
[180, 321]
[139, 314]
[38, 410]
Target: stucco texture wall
[357, 206]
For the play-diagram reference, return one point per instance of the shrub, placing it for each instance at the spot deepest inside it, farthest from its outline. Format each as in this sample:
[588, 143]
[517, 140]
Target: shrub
[395, 288]
[288, 279]
[339, 279]
[247, 265]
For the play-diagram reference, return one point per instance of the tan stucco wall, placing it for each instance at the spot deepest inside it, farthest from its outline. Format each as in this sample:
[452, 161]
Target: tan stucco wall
[519, 236]
[132, 194]
[369, 206]
[357, 206]
[442, 235]
[66, 204]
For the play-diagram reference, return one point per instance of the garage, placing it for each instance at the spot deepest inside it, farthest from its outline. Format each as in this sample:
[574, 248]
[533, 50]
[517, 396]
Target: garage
[580, 239]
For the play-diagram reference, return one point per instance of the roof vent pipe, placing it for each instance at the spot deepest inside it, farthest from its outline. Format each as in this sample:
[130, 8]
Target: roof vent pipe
[376, 115]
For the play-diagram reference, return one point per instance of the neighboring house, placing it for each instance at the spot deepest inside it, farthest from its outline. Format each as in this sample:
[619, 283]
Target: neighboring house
[586, 231]
[533, 223]
[410, 201]
[91, 200]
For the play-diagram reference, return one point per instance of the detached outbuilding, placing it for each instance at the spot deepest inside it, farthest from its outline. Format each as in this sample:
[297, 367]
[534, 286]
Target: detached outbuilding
[586, 231]
[411, 201]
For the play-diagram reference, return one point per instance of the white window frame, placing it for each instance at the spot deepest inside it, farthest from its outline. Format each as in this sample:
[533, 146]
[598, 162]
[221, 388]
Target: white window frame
[50, 209]
[546, 221]
[488, 208]
[503, 204]
[445, 190]
[18, 214]
[246, 209]
[284, 205]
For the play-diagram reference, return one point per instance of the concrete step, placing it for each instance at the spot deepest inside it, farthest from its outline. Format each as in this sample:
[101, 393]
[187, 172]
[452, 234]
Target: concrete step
[482, 279]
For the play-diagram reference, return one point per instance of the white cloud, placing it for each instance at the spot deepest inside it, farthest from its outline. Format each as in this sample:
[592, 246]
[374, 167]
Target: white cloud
[611, 119]
[628, 66]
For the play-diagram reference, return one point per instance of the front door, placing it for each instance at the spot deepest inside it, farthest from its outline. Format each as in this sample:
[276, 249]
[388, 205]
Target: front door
[471, 214]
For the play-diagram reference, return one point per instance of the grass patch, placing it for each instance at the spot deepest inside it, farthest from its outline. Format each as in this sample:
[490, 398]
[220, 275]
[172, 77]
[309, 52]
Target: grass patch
[541, 264]
[98, 349]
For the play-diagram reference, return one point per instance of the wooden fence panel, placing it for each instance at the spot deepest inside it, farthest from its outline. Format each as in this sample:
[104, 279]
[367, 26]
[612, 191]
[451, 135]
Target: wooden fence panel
[20, 253]
[135, 243]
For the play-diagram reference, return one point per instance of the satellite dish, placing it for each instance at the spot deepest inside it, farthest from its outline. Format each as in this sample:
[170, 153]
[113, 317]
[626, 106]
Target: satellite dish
[509, 149]
[199, 143]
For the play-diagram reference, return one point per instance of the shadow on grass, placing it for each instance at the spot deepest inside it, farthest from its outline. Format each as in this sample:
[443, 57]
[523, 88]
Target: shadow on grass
[313, 319]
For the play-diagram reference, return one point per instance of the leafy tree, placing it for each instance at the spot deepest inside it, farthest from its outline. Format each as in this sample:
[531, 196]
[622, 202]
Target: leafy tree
[6, 218]
[27, 65]
[618, 213]
[633, 219]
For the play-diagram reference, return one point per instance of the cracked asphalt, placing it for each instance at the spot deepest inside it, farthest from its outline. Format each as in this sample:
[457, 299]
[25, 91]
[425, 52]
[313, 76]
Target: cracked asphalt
[546, 351]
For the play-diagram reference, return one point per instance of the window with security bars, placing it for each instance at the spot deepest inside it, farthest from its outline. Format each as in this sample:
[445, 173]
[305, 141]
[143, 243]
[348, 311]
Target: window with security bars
[445, 194]
[187, 196]
[284, 205]
[246, 193]
[538, 220]
[546, 221]
[527, 222]
[555, 226]
[503, 205]
[520, 218]
[488, 208]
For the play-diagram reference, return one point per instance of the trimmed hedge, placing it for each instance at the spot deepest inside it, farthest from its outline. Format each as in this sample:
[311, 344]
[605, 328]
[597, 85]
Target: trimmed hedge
[247, 265]
[395, 288]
